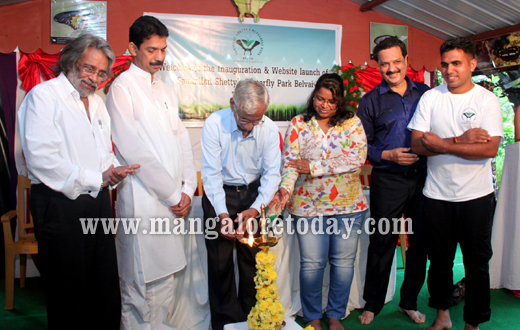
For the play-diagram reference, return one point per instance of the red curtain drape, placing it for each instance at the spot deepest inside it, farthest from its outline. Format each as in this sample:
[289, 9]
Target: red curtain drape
[31, 66]
[371, 77]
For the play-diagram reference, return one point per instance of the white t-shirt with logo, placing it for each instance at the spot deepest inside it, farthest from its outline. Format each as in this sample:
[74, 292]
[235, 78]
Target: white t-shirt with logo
[452, 178]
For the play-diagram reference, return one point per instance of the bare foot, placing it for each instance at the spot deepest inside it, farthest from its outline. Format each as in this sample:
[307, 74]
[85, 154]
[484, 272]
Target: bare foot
[366, 317]
[335, 324]
[315, 324]
[442, 322]
[470, 327]
[416, 316]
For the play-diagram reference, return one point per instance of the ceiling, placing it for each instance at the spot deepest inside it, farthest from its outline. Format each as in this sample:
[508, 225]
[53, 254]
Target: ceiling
[446, 19]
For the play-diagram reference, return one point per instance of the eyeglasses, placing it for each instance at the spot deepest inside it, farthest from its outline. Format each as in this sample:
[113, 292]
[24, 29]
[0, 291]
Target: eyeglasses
[320, 100]
[245, 122]
[88, 69]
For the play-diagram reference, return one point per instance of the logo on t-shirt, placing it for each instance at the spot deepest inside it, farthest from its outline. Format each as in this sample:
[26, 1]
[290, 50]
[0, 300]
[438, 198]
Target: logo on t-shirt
[469, 116]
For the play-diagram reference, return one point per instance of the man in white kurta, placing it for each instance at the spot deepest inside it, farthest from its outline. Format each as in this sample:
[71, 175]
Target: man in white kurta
[65, 136]
[146, 127]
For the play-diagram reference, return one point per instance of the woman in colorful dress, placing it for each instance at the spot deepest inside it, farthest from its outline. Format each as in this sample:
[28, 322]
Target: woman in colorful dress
[324, 149]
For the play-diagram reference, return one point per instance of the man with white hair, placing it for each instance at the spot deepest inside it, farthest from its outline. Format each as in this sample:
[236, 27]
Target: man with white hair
[65, 134]
[240, 167]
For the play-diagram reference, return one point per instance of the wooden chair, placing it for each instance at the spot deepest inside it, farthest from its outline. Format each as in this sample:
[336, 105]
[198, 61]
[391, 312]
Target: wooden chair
[26, 243]
[366, 171]
[402, 238]
[200, 188]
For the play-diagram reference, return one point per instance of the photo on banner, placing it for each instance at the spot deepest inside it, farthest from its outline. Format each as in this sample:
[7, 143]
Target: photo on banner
[71, 18]
[207, 56]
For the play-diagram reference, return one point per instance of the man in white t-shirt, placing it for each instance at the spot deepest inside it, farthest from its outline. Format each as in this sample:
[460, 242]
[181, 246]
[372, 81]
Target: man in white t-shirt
[459, 127]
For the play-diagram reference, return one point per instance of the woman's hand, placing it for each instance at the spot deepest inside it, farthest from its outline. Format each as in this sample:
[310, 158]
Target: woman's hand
[301, 165]
[279, 200]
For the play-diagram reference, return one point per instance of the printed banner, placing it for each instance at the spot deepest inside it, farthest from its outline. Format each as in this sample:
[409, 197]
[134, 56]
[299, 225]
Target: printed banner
[207, 56]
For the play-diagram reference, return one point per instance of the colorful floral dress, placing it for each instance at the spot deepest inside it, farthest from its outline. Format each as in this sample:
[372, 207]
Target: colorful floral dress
[336, 157]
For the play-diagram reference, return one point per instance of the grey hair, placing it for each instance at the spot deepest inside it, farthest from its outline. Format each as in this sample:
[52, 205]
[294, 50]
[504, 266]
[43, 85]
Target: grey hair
[76, 48]
[248, 94]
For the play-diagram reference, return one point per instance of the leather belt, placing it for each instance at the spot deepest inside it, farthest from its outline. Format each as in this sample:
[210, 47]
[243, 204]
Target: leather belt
[253, 185]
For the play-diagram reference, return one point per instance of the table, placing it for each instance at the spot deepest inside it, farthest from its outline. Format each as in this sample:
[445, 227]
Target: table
[190, 307]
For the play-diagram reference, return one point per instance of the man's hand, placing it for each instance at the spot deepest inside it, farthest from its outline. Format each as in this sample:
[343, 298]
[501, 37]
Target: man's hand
[226, 226]
[279, 200]
[434, 143]
[474, 135]
[113, 176]
[301, 165]
[183, 207]
[400, 156]
[242, 220]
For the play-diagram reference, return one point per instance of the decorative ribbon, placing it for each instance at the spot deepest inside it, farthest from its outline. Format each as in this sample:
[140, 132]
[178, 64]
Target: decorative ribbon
[32, 65]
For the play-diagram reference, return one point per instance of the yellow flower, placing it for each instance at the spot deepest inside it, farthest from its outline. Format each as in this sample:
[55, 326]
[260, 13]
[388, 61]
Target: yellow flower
[273, 276]
[273, 309]
[265, 317]
[261, 257]
[277, 318]
[264, 305]
[271, 257]
[263, 292]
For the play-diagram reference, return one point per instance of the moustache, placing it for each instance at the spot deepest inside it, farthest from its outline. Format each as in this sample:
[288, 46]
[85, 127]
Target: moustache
[392, 72]
[90, 83]
[157, 63]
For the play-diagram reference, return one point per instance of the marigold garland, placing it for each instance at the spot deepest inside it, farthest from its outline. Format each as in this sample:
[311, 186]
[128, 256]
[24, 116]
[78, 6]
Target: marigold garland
[354, 87]
[268, 313]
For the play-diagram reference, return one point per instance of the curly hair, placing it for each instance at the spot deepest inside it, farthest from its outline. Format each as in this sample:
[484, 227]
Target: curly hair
[332, 82]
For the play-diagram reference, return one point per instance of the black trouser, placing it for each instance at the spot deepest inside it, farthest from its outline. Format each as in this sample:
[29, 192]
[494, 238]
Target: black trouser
[79, 271]
[391, 195]
[468, 223]
[226, 305]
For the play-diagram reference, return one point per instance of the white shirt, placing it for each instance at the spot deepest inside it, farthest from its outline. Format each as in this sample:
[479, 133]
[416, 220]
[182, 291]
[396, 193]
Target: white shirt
[229, 158]
[147, 131]
[452, 178]
[63, 148]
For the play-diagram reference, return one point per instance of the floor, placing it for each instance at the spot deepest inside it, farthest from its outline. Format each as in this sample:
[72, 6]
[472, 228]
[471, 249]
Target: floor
[30, 312]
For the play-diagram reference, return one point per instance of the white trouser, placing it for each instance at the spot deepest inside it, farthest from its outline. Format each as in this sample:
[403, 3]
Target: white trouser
[145, 307]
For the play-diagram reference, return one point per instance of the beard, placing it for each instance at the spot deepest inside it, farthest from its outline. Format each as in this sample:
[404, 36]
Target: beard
[76, 81]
